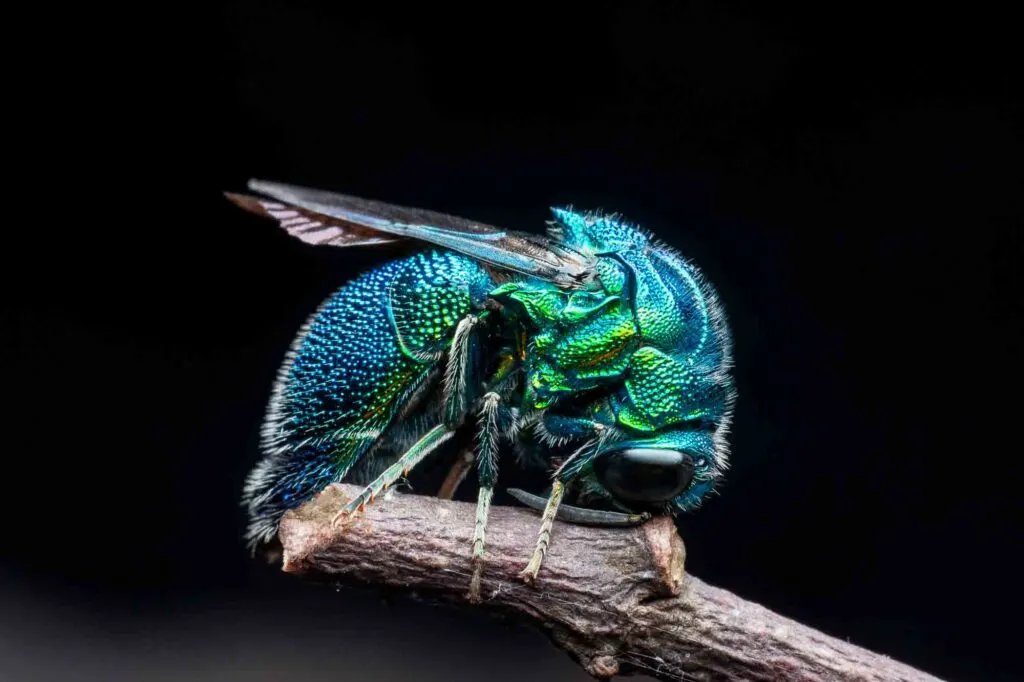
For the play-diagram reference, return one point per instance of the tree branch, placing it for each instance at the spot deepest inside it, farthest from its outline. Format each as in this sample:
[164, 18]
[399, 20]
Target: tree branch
[616, 599]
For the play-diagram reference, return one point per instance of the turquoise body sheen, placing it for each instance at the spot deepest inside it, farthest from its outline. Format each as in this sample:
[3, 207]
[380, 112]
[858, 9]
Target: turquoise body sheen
[637, 359]
[654, 334]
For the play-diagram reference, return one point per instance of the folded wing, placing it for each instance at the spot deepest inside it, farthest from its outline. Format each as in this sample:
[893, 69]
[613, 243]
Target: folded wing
[326, 218]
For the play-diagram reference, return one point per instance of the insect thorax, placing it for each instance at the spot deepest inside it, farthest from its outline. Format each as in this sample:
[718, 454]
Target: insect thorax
[654, 329]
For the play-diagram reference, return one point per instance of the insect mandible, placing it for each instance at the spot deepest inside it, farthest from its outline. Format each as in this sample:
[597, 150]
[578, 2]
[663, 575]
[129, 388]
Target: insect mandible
[595, 352]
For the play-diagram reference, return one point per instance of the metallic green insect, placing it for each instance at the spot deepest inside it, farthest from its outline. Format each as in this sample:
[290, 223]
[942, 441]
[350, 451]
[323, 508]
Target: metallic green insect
[594, 352]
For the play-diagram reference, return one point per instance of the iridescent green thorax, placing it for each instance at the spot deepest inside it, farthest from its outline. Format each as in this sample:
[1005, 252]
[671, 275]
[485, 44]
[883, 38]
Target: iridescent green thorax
[579, 340]
[652, 333]
[654, 325]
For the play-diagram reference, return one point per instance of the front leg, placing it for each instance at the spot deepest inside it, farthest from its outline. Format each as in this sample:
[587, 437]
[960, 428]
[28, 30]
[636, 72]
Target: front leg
[529, 574]
[573, 427]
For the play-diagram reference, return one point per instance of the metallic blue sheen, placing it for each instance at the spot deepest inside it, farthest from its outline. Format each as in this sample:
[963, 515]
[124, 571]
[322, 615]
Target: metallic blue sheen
[358, 361]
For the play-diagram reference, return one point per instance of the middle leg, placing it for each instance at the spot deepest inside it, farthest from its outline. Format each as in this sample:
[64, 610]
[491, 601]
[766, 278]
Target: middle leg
[458, 394]
[487, 470]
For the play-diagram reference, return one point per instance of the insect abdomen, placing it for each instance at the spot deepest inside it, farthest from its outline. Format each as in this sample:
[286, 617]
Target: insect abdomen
[354, 364]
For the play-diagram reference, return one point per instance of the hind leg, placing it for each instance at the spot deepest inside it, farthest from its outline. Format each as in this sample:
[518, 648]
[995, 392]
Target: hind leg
[413, 456]
[458, 391]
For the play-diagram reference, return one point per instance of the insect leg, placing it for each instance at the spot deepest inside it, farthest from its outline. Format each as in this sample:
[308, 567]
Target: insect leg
[413, 456]
[458, 378]
[564, 475]
[460, 467]
[487, 470]
[580, 515]
[529, 574]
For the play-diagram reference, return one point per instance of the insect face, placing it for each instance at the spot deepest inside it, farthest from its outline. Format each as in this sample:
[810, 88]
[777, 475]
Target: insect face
[666, 472]
[645, 475]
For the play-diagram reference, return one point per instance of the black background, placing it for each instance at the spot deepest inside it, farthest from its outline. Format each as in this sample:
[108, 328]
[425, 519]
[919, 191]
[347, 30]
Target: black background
[848, 176]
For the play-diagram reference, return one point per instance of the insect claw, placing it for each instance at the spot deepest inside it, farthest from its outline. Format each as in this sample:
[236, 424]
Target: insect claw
[338, 518]
[528, 576]
[474, 582]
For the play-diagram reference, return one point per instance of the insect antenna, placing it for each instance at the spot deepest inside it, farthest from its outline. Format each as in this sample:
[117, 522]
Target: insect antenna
[579, 515]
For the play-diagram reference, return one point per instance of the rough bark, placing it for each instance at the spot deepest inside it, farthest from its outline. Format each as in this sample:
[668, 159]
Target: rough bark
[617, 600]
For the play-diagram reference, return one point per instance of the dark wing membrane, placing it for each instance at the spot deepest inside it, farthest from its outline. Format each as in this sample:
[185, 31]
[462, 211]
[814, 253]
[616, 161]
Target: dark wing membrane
[349, 221]
[309, 226]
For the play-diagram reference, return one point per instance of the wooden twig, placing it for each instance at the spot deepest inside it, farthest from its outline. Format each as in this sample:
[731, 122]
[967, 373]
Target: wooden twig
[616, 599]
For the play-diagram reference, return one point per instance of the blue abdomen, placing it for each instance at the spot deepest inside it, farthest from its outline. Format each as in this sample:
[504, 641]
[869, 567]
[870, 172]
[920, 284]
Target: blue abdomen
[353, 366]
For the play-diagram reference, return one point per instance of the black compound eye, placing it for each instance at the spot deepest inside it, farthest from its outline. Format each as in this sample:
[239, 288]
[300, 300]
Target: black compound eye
[645, 475]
